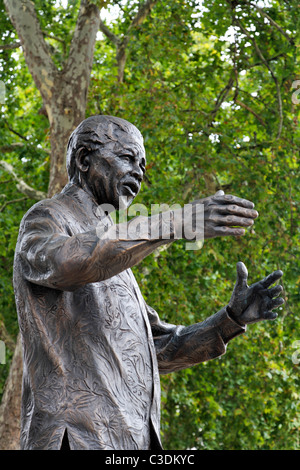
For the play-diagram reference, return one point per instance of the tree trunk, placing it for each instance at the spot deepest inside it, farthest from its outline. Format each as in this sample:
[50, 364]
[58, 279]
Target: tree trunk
[64, 115]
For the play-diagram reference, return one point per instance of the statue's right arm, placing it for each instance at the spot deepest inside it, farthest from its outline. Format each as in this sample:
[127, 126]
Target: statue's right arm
[51, 257]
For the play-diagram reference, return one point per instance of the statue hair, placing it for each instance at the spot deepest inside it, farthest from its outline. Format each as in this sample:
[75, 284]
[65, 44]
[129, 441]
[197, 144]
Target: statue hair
[94, 132]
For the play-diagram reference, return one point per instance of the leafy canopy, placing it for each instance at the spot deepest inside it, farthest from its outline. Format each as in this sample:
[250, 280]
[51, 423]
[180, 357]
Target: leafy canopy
[210, 85]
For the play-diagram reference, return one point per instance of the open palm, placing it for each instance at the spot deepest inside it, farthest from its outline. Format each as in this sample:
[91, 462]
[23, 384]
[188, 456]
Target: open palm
[250, 304]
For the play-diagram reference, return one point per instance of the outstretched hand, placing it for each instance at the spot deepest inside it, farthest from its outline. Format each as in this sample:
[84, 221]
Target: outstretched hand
[257, 302]
[226, 215]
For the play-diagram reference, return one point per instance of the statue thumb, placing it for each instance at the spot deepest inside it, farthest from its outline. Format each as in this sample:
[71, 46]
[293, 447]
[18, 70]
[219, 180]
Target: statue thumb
[242, 274]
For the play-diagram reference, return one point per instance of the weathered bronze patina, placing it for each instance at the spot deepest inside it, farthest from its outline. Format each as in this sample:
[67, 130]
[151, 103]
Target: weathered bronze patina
[93, 349]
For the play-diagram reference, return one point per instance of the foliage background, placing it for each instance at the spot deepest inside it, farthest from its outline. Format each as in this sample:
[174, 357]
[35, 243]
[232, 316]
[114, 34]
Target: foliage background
[209, 84]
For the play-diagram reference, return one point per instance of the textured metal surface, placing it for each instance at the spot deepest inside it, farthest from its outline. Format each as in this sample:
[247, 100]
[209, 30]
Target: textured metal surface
[93, 349]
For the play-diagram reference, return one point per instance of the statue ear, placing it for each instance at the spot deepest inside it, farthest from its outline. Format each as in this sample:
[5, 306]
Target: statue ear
[82, 159]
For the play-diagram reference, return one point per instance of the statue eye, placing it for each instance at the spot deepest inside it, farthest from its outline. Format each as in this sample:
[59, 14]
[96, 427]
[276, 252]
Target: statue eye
[126, 157]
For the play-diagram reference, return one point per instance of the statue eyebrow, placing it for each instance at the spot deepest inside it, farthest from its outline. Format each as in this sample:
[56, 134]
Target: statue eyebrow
[134, 149]
[135, 155]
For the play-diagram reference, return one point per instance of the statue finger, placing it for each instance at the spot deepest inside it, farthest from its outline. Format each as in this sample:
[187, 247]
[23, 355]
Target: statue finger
[275, 303]
[271, 278]
[269, 315]
[232, 220]
[229, 199]
[220, 193]
[274, 291]
[223, 231]
[237, 210]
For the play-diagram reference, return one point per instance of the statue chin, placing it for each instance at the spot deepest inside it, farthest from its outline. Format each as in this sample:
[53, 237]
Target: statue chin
[124, 202]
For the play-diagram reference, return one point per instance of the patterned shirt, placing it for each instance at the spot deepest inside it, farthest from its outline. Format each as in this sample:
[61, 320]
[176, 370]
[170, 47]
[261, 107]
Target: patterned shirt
[92, 348]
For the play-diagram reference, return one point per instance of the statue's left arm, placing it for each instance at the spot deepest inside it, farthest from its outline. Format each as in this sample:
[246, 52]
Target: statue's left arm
[179, 347]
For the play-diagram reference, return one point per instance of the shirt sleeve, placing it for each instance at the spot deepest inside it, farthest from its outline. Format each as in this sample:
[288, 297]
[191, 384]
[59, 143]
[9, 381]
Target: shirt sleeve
[51, 257]
[178, 347]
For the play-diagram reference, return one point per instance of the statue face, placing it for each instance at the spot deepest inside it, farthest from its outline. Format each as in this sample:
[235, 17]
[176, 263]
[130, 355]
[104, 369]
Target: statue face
[116, 170]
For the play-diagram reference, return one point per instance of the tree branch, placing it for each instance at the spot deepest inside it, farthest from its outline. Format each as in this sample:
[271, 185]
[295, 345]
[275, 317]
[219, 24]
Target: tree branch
[5, 336]
[13, 45]
[109, 34]
[275, 57]
[13, 201]
[142, 13]
[276, 25]
[15, 132]
[6, 181]
[23, 17]
[220, 99]
[23, 187]
[243, 105]
[11, 147]
[222, 95]
[79, 63]
[55, 38]
[266, 63]
[121, 43]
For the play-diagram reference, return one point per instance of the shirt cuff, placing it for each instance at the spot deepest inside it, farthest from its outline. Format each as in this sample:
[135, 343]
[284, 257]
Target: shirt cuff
[227, 326]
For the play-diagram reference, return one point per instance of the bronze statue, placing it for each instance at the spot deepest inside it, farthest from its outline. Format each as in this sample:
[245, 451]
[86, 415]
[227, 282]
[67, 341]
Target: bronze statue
[93, 349]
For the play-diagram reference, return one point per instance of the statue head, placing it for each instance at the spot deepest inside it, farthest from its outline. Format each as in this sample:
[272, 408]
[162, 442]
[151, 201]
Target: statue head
[106, 155]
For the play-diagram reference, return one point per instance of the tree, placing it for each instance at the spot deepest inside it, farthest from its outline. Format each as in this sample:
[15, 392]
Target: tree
[220, 78]
[63, 89]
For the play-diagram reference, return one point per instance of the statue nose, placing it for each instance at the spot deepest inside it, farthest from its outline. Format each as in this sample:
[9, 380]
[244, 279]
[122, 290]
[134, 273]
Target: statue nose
[138, 173]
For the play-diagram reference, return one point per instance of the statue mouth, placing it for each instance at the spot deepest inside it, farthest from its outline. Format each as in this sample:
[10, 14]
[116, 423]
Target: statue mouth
[132, 187]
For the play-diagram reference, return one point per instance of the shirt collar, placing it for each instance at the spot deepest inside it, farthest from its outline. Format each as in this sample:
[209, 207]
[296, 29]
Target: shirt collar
[86, 201]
